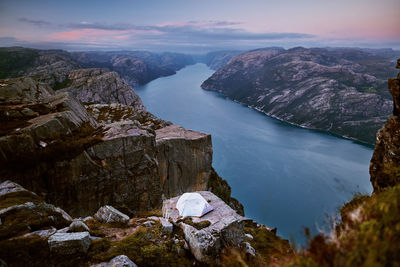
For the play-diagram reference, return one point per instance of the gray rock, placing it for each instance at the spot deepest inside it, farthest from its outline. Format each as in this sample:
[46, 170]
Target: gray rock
[166, 225]
[69, 243]
[118, 261]
[249, 236]
[148, 223]
[109, 214]
[101, 86]
[226, 228]
[249, 249]
[87, 218]
[8, 187]
[42, 233]
[78, 226]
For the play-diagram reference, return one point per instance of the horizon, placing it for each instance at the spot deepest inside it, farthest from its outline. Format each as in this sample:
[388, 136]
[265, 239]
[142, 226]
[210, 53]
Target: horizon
[199, 27]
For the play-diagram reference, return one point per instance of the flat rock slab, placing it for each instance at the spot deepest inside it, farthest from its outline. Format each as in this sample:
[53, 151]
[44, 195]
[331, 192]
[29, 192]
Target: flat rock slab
[224, 227]
[69, 243]
[177, 132]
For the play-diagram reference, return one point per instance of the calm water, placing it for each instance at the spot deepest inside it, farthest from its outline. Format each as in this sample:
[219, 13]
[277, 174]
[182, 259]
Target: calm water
[285, 176]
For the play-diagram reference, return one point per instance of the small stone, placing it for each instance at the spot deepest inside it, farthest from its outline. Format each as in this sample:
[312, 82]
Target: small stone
[249, 249]
[42, 144]
[148, 223]
[87, 218]
[78, 226]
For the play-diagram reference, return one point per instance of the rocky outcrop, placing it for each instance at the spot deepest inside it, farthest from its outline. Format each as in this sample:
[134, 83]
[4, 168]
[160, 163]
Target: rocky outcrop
[100, 86]
[385, 162]
[341, 91]
[184, 159]
[127, 159]
[209, 234]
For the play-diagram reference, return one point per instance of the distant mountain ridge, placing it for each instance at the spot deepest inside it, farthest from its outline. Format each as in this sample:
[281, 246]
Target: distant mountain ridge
[53, 66]
[342, 91]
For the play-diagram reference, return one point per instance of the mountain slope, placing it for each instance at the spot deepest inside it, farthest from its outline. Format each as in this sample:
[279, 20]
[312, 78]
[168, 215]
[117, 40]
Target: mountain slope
[342, 91]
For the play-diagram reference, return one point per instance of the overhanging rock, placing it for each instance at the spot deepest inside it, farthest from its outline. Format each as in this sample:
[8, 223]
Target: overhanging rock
[209, 234]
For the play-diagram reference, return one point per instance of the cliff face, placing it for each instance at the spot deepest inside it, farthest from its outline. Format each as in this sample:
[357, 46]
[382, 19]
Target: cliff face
[342, 91]
[385, 162]
[50, 144]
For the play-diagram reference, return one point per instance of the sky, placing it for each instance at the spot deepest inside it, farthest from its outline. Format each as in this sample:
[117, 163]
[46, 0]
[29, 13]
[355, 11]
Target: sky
[198, 26]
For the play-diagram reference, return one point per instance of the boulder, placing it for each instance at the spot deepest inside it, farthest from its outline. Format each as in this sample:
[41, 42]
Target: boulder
[69, 243]
[108, 214]
[209, 234]
[118, 261]
[249, 249]
[22, 211]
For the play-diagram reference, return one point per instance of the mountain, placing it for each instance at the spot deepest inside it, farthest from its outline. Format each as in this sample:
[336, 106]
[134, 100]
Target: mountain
[217, 59]
[136, 67]
[53, 66]
[342, 91]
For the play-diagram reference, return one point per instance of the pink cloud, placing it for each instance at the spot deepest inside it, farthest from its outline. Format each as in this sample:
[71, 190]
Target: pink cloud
[86, 34]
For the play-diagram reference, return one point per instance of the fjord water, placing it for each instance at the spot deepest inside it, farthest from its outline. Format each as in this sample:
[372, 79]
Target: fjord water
[285, 176]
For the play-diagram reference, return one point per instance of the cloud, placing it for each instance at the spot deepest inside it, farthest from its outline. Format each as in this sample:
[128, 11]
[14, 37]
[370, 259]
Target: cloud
[176, 35]
[38, 23]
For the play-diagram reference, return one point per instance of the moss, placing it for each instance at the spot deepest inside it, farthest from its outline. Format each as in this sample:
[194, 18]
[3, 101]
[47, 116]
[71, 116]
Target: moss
[32, 251]
[198, 225]
[17, 198]
[374, 240]
[267, 244]
[145, 214]
[147, 247]
[98, 250]
[24, 220]
[64, 84]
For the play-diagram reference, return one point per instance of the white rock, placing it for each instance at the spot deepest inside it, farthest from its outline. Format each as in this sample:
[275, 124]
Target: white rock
[249, 249]
[249, 236]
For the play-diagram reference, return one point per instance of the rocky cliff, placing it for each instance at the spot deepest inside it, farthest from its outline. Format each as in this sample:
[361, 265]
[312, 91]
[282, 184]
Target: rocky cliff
[217, 59]
[50, 144]
[341, 91]
[100, 86]
[385, 162]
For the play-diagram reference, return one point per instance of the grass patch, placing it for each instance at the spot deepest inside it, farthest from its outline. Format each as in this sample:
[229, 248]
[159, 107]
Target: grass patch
[197, 225]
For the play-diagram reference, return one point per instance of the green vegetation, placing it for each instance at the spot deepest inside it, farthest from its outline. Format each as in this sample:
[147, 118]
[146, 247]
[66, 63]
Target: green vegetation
[197, 225]
[64, 84]
[145, 247]
[369, 235]
[15, 60]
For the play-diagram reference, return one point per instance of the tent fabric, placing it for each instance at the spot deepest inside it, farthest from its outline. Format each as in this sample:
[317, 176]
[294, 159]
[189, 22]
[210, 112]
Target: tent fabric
[193, 204]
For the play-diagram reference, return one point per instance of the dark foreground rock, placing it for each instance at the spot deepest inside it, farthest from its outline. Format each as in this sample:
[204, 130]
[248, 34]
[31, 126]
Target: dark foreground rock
[50, 144]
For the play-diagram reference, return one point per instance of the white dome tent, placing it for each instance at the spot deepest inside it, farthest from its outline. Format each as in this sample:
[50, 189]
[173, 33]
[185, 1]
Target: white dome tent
[193, 204]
